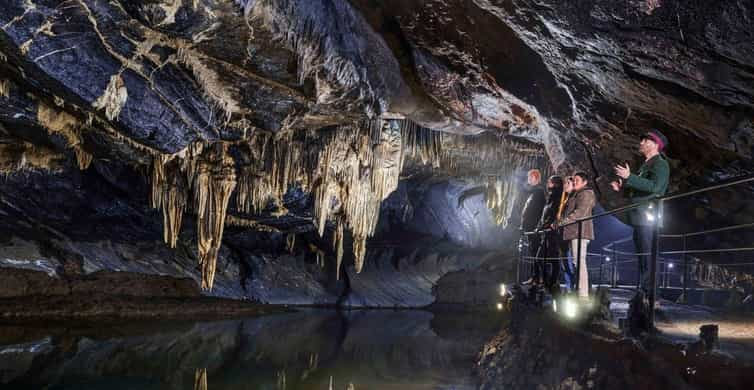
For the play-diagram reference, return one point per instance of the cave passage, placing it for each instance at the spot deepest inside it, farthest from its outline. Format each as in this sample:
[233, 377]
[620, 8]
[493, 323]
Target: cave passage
[351, 194]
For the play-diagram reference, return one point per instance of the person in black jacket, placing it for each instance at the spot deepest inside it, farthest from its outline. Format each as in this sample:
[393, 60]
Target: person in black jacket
[531, 215]
[552, 246]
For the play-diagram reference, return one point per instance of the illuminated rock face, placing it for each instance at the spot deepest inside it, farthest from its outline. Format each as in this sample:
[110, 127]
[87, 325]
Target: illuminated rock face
[300, 118]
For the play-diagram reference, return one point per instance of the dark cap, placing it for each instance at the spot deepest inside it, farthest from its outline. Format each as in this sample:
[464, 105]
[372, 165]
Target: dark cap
[657, 137]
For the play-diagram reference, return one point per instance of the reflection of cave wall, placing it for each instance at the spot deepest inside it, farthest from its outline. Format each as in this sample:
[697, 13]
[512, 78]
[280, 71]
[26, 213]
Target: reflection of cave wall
[308, 347]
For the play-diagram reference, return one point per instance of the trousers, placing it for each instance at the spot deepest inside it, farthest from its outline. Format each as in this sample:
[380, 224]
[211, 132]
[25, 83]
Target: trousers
[643, 242]
[569, 268]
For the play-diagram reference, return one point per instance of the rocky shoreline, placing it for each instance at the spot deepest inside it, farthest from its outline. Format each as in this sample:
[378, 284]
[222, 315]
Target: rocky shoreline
[540, 349]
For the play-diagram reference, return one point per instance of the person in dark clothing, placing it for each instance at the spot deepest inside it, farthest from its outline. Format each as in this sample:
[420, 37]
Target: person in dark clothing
[531, 214]
[551, 247]
[650, 182]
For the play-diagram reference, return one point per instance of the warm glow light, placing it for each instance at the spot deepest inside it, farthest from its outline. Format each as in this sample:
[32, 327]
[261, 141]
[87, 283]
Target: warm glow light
[500, 306]
[555, 306]
[503, 290]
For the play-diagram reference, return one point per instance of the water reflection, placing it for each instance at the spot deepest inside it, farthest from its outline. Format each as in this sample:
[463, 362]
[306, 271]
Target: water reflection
[301, 350]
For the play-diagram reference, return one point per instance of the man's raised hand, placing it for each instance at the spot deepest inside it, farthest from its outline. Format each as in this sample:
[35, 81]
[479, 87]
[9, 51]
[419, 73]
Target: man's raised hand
[623, 171]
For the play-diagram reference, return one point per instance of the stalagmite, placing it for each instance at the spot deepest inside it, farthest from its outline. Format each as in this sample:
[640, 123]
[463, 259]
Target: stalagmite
[214, 182]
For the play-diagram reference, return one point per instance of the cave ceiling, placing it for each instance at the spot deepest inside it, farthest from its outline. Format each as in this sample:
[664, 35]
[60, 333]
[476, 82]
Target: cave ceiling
[226, 105]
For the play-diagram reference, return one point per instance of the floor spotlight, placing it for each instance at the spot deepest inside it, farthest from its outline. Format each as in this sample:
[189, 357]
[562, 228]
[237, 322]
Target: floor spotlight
[569, 308]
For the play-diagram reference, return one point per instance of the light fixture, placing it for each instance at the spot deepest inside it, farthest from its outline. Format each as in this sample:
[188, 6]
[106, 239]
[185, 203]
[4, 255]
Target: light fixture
[569, 308]
[607, 258]
[555, 306]
[499, 306]
[650, 217]
[503, 290]
[670, 265]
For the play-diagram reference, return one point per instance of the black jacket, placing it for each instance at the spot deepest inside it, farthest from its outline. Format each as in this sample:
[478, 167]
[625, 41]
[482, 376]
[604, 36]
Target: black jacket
[532, 211]
[550, 212]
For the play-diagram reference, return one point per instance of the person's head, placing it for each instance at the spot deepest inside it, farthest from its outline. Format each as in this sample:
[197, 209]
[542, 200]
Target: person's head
[580, 180]
[533, 177]
[554, 182]
[652, 142]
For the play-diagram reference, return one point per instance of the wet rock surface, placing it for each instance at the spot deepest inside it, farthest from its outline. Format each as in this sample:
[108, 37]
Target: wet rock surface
[541, 349]
[300, 118]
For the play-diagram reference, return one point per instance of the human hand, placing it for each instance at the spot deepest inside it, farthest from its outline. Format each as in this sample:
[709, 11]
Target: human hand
[623, 171]
[616, 185]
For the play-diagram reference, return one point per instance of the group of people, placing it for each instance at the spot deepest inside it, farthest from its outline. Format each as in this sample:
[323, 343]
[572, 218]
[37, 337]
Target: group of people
[549, 214]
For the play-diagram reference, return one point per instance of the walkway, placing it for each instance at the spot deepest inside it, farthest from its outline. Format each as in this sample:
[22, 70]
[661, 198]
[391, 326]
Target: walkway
[681, 323]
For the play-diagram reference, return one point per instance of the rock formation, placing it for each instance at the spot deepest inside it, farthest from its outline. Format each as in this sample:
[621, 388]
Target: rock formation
[266, 118]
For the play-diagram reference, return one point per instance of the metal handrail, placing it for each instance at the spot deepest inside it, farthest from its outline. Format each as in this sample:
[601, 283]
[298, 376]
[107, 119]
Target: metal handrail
[657, 200]
[632, 206]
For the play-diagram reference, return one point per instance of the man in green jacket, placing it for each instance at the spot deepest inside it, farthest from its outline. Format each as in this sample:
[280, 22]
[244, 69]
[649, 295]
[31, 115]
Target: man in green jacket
[650, 182]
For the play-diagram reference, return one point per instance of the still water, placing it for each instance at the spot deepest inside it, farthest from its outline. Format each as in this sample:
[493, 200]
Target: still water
[311, 349]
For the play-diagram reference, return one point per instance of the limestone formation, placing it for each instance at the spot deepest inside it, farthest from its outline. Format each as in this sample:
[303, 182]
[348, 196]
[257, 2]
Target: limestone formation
[213, 185]
[67, 126]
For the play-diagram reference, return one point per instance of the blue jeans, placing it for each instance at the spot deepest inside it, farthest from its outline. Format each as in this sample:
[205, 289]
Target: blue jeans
[568, 268]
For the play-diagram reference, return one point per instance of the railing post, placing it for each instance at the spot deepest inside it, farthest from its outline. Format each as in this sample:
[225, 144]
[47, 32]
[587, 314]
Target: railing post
[653, 262]
[615, 267]
[685, 272]
[578, 261]
[667, 274]
[520, 258]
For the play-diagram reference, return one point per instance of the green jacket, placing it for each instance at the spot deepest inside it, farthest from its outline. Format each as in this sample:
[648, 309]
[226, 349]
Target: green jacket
[650, 182]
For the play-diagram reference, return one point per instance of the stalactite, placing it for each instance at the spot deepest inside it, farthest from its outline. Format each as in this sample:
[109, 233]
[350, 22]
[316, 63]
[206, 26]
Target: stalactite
[66, 125]
[114, 97]
[174, 200]
[20, 155]
[169, 193]
[4, 87]
[214, 182]
[350, 170]
[158, 180]
[319, 254]
[290, 243]
[501, 197]
[200, 379]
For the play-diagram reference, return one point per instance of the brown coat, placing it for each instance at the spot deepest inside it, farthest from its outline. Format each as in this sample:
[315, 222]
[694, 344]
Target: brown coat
[579, 205]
